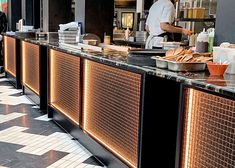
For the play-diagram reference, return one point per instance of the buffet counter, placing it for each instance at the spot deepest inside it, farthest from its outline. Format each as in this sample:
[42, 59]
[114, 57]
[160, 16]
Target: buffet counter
[187, 111]
[116, 109]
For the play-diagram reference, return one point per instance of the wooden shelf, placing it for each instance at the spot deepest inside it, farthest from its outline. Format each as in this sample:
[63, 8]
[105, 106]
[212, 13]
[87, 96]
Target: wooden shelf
[195, 20]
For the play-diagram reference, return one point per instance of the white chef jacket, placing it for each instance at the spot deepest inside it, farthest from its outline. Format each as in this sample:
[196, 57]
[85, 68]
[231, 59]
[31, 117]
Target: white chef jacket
[162, 11]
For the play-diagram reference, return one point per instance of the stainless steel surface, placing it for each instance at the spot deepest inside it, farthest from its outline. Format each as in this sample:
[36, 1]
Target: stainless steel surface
[160, 63]
[174, 66]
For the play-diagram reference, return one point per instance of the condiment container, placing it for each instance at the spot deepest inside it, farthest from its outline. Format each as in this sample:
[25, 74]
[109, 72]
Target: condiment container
[190, 13]
[200, 13]
[202, 42]
[192, 40]
[185, 12]
[107, 39]
[217, 69]
[211, 40]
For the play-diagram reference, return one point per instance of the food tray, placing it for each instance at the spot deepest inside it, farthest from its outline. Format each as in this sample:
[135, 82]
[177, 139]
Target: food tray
[189, 67]
[161, 63]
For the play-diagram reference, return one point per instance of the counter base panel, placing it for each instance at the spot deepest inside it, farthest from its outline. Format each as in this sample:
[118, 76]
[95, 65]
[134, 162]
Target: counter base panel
[160, 120]
[34, 97]
[208, 130]
[104, 156]
[13, 80]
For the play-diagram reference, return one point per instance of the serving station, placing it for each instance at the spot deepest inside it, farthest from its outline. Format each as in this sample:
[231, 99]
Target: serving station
[116, 109]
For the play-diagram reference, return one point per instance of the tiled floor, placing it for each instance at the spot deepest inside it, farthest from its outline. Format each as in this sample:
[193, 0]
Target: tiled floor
[28, 139]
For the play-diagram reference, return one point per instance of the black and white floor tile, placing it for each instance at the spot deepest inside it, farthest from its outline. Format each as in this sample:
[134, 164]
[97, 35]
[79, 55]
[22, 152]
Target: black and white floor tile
[29, 139]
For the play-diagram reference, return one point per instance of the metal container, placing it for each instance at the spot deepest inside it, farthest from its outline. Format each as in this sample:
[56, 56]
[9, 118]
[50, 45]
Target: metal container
[188, 67]
[144, 57]
[161, 63]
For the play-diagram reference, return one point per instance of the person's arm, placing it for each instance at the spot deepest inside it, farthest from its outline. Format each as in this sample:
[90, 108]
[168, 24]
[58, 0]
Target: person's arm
[172, 29]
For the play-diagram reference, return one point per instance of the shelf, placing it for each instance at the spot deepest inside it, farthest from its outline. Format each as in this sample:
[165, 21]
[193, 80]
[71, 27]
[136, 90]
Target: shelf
[195, 20]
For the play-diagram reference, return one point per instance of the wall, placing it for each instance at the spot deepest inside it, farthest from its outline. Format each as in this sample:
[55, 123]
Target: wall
[225, 22]
[55, 12]
[96, 16]
[14, 14]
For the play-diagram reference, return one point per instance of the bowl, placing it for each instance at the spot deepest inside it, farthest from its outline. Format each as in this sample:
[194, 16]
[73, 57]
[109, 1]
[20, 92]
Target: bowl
[217, 69]
[90, 42]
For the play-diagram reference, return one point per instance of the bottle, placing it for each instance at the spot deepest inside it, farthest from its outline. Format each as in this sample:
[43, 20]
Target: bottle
[192, 40]
[127, 32]
[202, 42]
[211, 40]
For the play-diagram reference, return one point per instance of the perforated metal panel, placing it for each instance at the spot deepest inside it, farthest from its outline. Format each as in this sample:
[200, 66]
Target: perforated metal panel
[10, 55]
[30, 66]
[208, 132]
[65, 84]
[111, 109]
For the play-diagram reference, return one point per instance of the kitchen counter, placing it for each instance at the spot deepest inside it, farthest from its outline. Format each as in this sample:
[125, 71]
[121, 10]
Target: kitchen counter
[120, 106]
[224, 85]
[220, 84]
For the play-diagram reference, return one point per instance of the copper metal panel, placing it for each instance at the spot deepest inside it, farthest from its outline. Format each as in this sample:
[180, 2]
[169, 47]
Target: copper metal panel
[10, 55]
[65, 84]
[208, 132]
[111, 109]
[30, 66]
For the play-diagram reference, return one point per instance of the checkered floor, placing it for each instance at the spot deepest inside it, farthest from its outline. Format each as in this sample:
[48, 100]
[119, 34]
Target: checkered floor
[29, 139]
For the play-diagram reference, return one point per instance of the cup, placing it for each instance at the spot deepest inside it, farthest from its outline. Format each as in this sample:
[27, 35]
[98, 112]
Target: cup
[107, 39]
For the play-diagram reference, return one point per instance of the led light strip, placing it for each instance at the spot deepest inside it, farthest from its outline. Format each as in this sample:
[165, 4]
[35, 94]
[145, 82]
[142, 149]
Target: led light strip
[190, 109]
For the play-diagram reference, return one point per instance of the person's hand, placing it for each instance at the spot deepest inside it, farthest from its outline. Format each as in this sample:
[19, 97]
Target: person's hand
[187, 32]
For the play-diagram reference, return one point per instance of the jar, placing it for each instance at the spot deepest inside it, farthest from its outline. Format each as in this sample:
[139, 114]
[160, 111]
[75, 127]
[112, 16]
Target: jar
[200, 13]
[185, 12]
[181, 15]
[190, 13]
[107, 39]
[202, 42]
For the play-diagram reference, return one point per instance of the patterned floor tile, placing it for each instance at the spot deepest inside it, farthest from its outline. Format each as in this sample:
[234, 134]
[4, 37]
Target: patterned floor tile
[28, 138]
[43, 118]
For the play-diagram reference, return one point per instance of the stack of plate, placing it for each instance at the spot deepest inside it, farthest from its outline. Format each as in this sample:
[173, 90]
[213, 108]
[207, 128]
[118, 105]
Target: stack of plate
[68, 36]
[140, 36]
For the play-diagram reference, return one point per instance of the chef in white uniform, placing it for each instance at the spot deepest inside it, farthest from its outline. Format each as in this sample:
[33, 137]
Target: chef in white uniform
[159, 22]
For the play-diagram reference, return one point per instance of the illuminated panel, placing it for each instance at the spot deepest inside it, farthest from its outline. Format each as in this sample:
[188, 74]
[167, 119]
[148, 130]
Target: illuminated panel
[30, 66]
[208, 131]
[111, 109]
[65, 84]
[10, 55]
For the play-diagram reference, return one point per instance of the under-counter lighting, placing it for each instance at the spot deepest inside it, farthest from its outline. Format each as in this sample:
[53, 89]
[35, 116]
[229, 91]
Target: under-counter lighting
[87, 84]
[53, 86]
[52, 76]
[9, 69]
[111, 149]
[5, 53]
[25, 72]
[190, 109]
[85, 94]
[23, 62]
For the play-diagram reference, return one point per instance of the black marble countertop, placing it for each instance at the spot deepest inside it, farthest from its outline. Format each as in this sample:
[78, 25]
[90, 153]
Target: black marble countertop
[219, 84]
